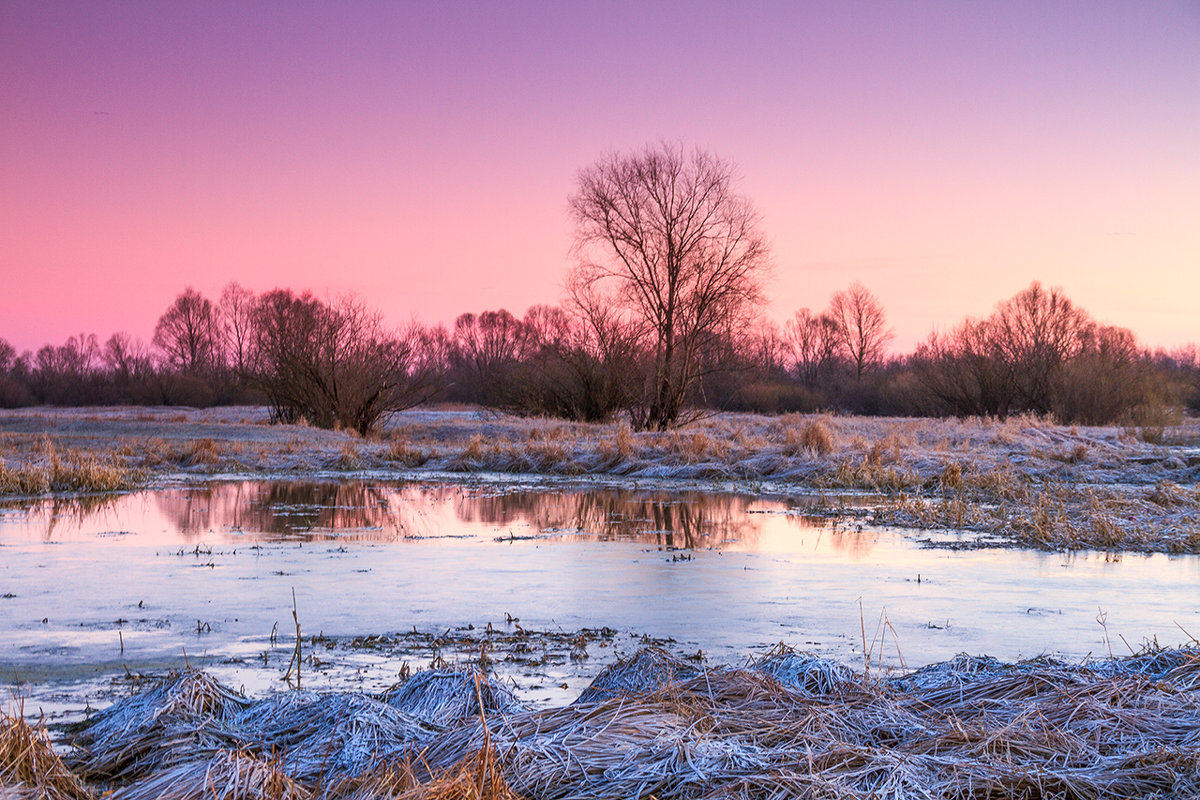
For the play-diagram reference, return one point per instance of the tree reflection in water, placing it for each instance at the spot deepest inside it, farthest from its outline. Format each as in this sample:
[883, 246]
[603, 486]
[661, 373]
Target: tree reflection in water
[304, 511]
[380, 512]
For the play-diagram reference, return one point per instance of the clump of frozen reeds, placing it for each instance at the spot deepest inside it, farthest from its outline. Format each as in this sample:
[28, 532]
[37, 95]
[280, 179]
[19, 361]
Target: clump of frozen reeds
[803, 671]
[228, 775]
[790, 725]
[647, 671]
[445, 697]
[970, 728]
[477, 776]
[619, 748]
[172, 721]
[329, 737]
[29, 767]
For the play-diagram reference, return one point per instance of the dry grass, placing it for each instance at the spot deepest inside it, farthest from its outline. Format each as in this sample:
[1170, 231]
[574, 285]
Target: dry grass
[789, 724]
[70, 471]
[401, 452]
[698, 447]
[228, 775]
[477, 776]
[1058, 516]
[350, 457]
[810, 438]
[200, 452]
[29, 767]
[626, 444]
[473, 452]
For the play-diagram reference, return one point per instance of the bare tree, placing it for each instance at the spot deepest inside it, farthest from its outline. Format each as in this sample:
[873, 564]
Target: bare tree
[568, 369]
[1110, 377]
[964, 373]
[285, 342]
[862, 329]
[813, 341]
[1039, 352]
[235, 319]
[14, 389]
[8, 356]
[676, 251]
[125, 357]
[187, 333]
[546, 326]
[763, 345]
[1036, 332]
[337, 365]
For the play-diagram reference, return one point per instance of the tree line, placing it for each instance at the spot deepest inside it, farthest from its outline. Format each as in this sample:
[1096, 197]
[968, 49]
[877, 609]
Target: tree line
[660, 323]
[335, 364]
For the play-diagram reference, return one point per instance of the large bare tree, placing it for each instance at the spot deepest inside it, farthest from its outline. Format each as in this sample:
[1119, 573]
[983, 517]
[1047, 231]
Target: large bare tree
[663, 235]
[862, 329]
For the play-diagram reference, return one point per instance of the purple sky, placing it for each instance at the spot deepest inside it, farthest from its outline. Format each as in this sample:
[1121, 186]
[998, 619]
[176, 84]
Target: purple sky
[421, 154]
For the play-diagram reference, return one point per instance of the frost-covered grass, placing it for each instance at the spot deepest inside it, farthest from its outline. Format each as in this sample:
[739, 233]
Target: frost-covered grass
[788, 724]
[1037, 483]
[70, 471]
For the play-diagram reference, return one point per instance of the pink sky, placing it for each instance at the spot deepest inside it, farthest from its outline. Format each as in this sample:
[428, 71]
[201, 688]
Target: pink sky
[421, 154]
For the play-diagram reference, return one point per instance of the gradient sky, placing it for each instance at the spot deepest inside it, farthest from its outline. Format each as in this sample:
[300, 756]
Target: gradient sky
[421, 154]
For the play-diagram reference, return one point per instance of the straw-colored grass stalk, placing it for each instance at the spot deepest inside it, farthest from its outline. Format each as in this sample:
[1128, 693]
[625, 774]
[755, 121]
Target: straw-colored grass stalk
[228, 775]
[29, 767]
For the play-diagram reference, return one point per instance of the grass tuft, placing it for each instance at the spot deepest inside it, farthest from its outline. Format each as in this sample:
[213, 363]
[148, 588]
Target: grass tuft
[813, 438]
[30, 767]
[402, 452]
[71, 471]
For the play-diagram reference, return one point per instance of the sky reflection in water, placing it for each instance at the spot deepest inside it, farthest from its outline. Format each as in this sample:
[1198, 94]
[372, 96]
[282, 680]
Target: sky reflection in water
[143, 571]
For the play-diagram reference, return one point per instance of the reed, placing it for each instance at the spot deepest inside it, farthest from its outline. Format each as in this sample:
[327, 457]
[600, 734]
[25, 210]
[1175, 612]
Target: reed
[228, 775]
[653, 724]
[29, 767]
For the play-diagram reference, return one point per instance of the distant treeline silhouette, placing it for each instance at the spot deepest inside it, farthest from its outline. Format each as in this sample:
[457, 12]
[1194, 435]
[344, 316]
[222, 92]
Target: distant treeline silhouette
[660, 323]
[334, 364]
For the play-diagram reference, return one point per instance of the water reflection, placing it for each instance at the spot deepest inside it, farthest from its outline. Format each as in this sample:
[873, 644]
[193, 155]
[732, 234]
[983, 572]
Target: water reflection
[677, 520]
[309, 511]
[73, 512]
[131, 580]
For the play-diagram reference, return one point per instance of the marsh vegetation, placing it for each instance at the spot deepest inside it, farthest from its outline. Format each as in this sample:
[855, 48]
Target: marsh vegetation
[652, 725]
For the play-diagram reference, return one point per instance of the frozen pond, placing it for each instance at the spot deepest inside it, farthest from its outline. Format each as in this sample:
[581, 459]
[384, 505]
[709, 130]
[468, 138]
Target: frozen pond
[90, 590]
